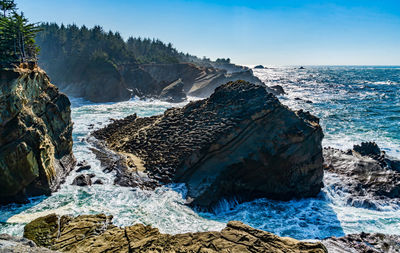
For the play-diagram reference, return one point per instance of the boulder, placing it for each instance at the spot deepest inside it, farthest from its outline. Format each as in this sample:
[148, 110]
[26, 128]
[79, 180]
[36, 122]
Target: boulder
[82, 180]
[278, 90]
[96, 233]
[363, 242]
[174, 92]
[239, 143]
[366, 181]
[35, 135]
[259, 67]
[83, 167]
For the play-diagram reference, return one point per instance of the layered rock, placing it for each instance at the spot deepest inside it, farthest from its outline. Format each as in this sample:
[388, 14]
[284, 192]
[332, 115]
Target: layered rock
[106, 83]
[239, 143]
[173, 92]
[96, 233]
[35, 134]
[367, 176]
[363, 242]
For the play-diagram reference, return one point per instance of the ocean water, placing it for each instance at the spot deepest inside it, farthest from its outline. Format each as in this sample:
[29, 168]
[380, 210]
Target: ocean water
[354, 104]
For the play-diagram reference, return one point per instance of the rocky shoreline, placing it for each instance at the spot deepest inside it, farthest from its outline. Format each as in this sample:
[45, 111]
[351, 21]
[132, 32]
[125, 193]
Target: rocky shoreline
[228, 145]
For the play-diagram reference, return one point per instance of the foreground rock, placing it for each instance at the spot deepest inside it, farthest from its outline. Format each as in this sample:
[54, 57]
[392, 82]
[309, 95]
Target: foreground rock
[96, 233]
[367, 176]
[364, 242]
[239, 143]
[35, 134]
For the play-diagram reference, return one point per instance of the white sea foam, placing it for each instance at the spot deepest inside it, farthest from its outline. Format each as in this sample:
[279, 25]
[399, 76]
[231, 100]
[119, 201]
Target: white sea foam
[327, 215]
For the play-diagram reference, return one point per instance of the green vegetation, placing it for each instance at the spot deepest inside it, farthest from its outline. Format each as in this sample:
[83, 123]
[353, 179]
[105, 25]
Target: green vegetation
[17, 35]
[74, 45]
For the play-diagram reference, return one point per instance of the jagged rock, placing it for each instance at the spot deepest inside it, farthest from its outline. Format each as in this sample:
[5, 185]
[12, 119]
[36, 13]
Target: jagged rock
[367, 181]
[82, 180]
[241, 142]
[35, 135]
[173, 92]
[13, 244]
[368, 149]
[98, 181]
[96, 233]
[259, 67]
[278, 90]
[364, 242]
[83, 167]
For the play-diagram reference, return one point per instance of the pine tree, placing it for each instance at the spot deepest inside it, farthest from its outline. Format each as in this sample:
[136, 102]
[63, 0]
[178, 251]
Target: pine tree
[7, 5]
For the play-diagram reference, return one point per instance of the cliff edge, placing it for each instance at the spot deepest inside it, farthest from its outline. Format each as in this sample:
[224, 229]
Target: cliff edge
[35, 134]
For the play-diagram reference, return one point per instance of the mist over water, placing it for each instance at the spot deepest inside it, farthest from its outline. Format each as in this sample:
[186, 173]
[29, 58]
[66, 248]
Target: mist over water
[354, 104]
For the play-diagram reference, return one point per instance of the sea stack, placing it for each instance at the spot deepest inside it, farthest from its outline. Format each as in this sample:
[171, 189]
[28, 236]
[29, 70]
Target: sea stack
[35, 134]
[240, 143]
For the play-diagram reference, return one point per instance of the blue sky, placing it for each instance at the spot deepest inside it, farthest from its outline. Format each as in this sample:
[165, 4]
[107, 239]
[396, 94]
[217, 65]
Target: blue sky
[276, 32]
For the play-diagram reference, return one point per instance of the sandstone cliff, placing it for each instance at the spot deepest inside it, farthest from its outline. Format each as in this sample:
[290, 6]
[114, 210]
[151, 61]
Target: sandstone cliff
[96, 233]
[239, 143]
[35, 134]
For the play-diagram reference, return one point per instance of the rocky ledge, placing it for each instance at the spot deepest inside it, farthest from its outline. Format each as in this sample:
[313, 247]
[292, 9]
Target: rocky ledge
[35, 134]
[363, 242]
[96, 233]
[239, 143]
[365, 174]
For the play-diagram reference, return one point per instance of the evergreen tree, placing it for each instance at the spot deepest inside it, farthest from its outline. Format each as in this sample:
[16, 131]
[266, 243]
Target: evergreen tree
[7, 5]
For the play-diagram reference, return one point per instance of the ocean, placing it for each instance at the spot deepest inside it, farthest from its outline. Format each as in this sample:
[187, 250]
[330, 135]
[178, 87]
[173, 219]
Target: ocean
[354, 104]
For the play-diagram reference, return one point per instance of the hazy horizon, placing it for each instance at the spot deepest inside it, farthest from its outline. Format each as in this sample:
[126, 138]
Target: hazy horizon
[270, 33]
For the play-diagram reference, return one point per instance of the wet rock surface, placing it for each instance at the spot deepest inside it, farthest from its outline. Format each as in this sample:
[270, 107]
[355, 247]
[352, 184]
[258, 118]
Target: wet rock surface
[367, 176]
[241, 142]
[363, 242]
[35, 134]
[82, 180]
[13, 244]
[96, 233]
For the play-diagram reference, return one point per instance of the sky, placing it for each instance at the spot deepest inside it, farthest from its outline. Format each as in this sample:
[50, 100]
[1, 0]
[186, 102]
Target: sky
[269, 32]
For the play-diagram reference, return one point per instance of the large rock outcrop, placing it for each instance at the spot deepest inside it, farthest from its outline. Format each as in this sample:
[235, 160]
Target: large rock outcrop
[96, 233]
[104, 82]
[366, 176]
[239, 143]
[35, 134]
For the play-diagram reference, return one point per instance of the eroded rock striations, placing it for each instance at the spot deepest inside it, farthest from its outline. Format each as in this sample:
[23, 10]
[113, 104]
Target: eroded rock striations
[241, 142]
[366, 175]
[96, 233]
[363, 242]
[107, 83]
[35, 134]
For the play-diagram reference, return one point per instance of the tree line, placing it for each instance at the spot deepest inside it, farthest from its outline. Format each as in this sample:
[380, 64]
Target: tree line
[17, 35]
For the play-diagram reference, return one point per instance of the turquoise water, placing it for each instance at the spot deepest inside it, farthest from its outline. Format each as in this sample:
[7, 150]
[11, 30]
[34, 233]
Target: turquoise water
[354, 104]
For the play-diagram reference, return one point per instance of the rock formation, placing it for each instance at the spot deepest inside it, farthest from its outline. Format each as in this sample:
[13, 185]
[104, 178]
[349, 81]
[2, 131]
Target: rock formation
[174, 92]
[239, 143]
[35, 134]
[96, 233]
[13, 244]
[368, 176]
[106, 83]
[259, 67]
[363, 242]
